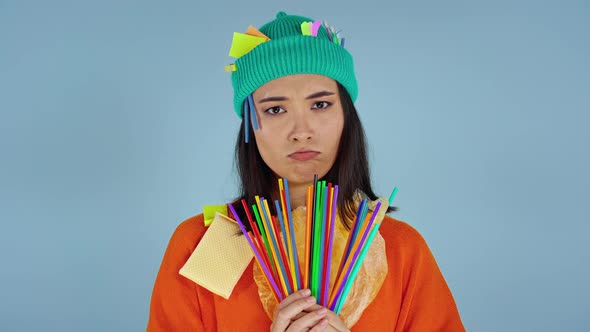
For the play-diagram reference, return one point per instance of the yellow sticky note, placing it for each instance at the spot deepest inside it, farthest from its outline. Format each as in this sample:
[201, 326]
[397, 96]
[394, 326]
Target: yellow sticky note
[252, 31]
[231, 67]
[209, 212]
[220, 259]
[243, 43]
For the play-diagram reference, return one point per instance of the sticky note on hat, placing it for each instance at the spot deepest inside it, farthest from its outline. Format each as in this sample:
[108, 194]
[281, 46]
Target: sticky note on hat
[243, 43]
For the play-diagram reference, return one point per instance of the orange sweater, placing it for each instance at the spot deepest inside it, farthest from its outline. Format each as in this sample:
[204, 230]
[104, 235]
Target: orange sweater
[413, 297]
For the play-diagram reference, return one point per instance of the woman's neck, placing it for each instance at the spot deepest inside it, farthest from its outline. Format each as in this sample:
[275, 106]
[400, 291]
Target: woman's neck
[298, 193]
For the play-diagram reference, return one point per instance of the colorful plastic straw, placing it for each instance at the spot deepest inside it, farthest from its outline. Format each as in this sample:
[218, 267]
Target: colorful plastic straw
[265, 238]
[357, 250]
[282, 244]
[306, 258]
[260, 242]
[253, 112]
[274, 247]
[272, 239]
[246, 116]
[276, 242]
[333, 213]
[257, 254]
[356, 268]
[292, 231]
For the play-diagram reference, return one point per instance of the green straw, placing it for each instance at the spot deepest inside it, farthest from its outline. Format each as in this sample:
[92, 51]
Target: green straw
[392, 196]
[313, 221]
[263, 235]
[322, 241]
[361, 258]
[316, 245]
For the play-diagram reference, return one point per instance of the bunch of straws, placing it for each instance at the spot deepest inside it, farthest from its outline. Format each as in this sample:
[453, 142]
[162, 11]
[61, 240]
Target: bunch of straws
[273, 243]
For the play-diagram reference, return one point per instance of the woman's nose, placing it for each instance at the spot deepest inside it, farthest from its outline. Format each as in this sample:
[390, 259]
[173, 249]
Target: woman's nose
[302, 128]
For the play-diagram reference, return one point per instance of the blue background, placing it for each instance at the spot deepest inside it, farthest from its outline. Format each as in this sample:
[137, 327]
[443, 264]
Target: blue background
[117, 124]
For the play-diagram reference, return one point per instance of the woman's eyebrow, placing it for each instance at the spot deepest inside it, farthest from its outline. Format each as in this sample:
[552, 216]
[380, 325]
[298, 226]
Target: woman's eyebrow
[320, 94]
[311, 96]
[278, 98]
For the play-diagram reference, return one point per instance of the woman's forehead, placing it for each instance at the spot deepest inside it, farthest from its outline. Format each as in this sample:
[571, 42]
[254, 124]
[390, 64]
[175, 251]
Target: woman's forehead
[295, 84]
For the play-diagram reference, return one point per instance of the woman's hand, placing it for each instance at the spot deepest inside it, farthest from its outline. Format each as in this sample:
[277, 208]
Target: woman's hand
[335, 324]
[299, 312]
[294, 314]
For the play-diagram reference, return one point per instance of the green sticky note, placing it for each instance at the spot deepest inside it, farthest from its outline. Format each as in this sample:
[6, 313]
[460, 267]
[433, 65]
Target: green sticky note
[306, 28]
[243, 43]
[210, 210]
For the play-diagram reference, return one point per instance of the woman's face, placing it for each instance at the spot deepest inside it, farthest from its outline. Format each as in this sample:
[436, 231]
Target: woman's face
[301, 121]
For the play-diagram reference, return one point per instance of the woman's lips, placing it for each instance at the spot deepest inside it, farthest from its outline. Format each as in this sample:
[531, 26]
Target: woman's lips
[304, 155]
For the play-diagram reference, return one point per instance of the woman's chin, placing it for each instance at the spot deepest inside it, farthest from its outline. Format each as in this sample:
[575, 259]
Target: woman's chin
[304, 176]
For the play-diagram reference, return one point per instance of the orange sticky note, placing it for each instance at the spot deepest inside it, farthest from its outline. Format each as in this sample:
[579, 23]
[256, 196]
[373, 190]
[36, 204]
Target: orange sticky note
[252, 31]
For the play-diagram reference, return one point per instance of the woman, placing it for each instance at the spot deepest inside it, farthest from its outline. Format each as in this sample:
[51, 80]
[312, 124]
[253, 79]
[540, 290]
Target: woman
[294, 88]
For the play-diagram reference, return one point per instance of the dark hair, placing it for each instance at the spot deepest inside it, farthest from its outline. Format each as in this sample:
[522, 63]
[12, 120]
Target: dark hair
[350, 170]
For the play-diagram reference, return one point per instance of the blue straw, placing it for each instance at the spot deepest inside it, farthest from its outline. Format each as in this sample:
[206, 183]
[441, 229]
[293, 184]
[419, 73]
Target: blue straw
[362, 243]
[253, 112]
[357, 266]
[282, 223]
[246, 120]
[357, 226]
[286, 240]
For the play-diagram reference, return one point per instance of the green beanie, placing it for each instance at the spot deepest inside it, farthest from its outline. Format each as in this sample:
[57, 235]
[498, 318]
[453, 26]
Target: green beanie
[290, 52]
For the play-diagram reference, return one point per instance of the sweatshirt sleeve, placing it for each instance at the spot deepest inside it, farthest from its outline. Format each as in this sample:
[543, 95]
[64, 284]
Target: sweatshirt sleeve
[427, 303]
[174, 303]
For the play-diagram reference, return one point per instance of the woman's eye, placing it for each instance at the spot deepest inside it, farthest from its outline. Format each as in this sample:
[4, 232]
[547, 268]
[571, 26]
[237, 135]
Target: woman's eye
[274, 110]
[321, 104]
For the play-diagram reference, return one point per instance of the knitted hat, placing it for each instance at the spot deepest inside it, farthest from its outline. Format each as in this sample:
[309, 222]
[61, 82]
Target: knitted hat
[288, 45]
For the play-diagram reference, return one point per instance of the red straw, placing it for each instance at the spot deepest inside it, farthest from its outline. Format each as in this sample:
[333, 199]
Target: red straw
[257, 237]
[260, 266]
[256, 253]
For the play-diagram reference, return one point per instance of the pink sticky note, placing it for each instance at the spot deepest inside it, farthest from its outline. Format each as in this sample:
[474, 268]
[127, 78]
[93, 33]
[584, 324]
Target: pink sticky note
[315, 27]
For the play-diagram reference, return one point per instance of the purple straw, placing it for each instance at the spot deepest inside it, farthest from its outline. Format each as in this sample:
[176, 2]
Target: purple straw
[354, 258]
[266, 271]
[329, 265]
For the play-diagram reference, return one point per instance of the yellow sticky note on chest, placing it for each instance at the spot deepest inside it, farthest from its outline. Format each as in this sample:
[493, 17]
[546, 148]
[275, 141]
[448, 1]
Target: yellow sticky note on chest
[220, 259]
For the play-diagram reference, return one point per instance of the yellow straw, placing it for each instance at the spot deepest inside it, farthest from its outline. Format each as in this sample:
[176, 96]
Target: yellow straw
[287, 246]
[269, 232]
[278, 238]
